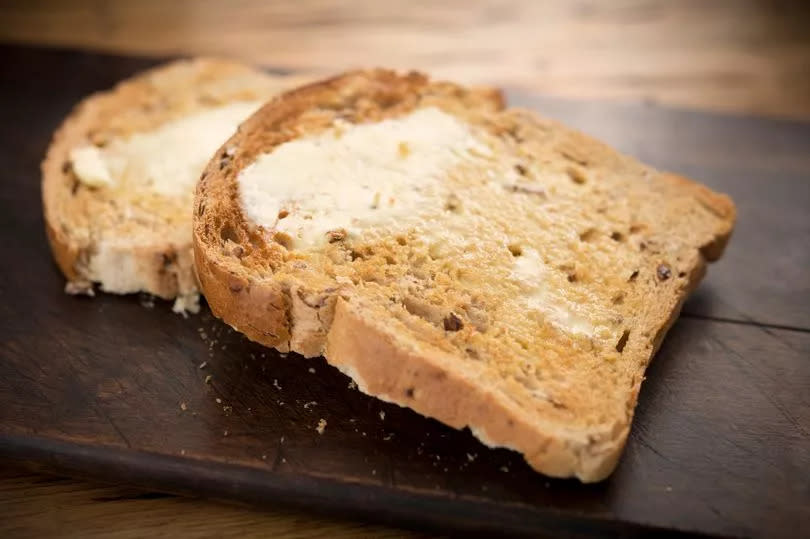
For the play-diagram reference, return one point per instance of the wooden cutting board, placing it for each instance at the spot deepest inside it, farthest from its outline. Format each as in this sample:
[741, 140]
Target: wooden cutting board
[113, 388]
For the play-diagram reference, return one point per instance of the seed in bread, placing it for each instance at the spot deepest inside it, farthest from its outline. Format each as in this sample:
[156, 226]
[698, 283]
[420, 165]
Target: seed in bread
[486, 267]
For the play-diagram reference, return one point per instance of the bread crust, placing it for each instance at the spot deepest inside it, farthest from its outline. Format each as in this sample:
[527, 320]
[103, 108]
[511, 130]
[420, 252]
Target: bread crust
[278, 310]
[163, 267]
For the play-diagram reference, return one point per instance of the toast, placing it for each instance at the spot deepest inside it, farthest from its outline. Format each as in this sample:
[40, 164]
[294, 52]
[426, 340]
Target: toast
[118, 178]
[485, 267]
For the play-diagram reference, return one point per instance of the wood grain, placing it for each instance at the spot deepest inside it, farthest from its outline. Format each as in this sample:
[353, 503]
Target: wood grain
[47, 506]
[96, 387]
[749, 56]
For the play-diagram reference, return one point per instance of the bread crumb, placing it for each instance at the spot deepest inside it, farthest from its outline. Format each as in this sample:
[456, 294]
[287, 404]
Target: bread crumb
[264, 457]
[471, 456]
[321, 426]
[182, 451]
[281, 440]
[219, 401]
[388, 437]
[283, 459]
[311, 370]
[373, 472]
[276, 384]
[504, 469]
[190, 303]
[203, 365]
[147, 301]
[208, 379]
[183, 406]
[352, 384]
[79, 288]
[382, 415]
[225, 432]
[669, 489]
[310, 404]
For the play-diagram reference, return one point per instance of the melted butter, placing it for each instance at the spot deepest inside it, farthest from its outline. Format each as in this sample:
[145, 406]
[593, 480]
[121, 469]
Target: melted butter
[167, 160]
[541, 294]
[356, 177]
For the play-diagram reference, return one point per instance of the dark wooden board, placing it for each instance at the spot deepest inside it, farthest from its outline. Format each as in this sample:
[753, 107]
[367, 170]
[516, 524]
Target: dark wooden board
[721, 439]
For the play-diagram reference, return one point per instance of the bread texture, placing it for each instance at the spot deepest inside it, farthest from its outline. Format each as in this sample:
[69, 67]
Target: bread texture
[517, 282]
[123, 235]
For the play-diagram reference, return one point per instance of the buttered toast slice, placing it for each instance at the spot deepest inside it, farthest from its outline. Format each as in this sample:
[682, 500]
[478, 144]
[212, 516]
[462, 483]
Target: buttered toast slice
[489, 268]
[118, 179]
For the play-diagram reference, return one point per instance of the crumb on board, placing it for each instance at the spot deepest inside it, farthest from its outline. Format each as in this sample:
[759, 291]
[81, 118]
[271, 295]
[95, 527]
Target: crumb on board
[504, 469]
[226, 432]
[182, 451]
[219, 401]
[183, 406]
[388, 437]
[382, 415]
[352, 384]
[264, 457]
[471, 456]
[321, 426]
[276, 384]
[203, 365]
[281, 440]
[311, 370]
[373, 472]
[310, 404]
[208, 379]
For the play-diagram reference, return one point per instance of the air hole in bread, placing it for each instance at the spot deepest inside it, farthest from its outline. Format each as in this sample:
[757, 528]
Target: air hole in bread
[452, 322]
[520, 169]
[282, 214]
[228, 233]
[635, 229]
[402, 240]
[623, 341]
[632, 277]
[453, 203]
[588, 235]
[577, 175]
[515, 249]
[617, 236]
[618, 299]
[682, 274]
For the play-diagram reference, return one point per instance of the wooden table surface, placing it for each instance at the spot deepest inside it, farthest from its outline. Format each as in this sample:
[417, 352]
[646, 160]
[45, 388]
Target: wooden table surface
[732, 56]
[749, 56]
